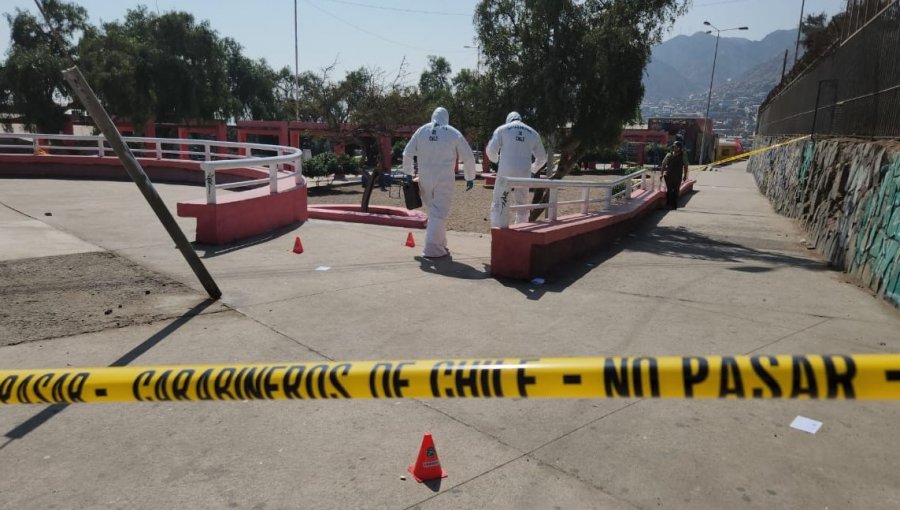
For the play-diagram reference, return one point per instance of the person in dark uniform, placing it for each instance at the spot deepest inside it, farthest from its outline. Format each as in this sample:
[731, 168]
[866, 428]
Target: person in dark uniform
[675, 171]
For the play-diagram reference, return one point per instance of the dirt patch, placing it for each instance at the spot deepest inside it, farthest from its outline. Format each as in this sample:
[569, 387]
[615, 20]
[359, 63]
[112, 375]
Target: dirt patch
[470, 211]
[52, 297]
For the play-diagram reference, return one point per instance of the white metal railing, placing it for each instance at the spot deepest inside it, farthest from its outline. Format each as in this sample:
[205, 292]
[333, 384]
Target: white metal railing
[211, 155]
[643, 180]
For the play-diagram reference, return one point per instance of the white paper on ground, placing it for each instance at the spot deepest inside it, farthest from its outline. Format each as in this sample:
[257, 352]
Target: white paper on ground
[323, 268]
[806, 424]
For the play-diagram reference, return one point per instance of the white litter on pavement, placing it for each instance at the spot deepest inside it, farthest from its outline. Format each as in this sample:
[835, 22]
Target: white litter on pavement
[806, 424]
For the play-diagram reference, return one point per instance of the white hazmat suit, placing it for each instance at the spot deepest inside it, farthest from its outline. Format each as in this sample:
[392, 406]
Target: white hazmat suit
[514, 144]
[437, 146]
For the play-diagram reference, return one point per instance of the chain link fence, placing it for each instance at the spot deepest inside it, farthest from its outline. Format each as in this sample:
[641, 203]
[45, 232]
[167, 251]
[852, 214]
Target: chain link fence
[853, 90]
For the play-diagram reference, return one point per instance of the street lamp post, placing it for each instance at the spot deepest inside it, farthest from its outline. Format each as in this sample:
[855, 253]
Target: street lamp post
[711, 78]
[296, 68]
[478, 61]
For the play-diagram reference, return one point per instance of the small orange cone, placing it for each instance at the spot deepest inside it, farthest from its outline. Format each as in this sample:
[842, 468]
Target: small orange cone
[410, 242]
[298, 246]
[427, 466]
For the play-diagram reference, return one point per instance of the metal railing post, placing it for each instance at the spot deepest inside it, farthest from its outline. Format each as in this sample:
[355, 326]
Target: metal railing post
[586, 197]
[628, 189]
[206, 154]
[36, 145]
[158, 149]
[101, 151]
[273, 178]
[298, 169]
[503, 189]
[552, 208]
[210, 185]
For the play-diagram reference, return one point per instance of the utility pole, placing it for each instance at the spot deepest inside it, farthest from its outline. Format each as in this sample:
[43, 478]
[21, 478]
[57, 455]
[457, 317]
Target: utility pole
[784, 64]
[799, 30]
[296, 68]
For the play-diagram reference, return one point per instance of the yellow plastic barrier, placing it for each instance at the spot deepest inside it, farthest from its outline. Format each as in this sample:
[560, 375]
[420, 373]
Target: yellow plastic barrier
[865, 376]
[747, 154]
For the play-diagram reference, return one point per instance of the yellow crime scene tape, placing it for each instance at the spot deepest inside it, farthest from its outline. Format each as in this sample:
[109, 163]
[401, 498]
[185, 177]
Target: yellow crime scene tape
[864, 376]
[747, 154]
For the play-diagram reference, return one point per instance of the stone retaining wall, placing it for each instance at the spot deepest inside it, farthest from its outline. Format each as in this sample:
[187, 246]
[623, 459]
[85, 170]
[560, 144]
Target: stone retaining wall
[846, 194]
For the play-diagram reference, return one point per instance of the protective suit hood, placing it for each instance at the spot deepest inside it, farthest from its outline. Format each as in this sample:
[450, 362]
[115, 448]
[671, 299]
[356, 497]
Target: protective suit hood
[513, 116]
[441, 116]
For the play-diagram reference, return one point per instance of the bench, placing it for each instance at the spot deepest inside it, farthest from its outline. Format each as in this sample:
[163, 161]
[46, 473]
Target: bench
[526, 250]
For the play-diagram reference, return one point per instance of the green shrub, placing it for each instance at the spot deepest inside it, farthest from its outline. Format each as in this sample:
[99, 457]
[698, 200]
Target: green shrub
[397, 151]
[322, 165]
[348, 165]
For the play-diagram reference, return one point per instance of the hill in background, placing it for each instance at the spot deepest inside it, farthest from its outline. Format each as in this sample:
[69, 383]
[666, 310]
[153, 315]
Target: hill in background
[677, 78]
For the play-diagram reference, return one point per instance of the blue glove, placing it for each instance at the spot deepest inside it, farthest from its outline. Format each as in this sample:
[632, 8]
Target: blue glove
[469, 185]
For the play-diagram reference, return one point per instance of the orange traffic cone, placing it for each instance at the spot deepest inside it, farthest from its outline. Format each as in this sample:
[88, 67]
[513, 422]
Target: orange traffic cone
[427, 466]
[298, 246]
[410, 242]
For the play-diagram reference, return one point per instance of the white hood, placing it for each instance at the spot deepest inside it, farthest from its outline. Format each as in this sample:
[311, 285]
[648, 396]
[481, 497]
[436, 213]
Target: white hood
[441, 116]
[513, 116]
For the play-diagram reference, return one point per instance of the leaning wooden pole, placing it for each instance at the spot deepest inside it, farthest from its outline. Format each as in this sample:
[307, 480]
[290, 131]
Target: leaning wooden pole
[81, 88]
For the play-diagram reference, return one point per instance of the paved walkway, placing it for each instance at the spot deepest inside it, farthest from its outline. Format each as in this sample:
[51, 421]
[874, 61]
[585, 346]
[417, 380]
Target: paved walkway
[724, 275]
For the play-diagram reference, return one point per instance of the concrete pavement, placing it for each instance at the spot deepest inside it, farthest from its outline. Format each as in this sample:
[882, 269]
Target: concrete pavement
[724, 275]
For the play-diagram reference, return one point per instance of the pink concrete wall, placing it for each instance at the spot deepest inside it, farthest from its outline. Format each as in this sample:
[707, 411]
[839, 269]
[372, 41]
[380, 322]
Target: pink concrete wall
[524, 251]
[246, 214]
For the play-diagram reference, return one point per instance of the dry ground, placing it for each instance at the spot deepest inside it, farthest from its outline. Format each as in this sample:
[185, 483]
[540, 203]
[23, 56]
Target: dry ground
[51, 297]
[470, 211]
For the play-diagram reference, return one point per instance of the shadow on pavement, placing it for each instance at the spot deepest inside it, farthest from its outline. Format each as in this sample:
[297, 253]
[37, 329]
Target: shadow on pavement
[210, 251]
[446, 266]
[434, 485]
[669, 241]
[681, 242]
[560, 279]
[42, 417]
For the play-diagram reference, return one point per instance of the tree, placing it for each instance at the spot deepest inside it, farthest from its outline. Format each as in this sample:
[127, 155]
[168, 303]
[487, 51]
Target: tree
[467, 106]
[170, 68]
[811, 27]
[252, 86]
[573, 69]
[434, 82]
[32, 73]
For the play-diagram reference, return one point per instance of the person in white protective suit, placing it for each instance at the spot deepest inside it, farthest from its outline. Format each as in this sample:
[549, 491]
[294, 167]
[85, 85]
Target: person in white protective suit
[437, 147]
[515, 144]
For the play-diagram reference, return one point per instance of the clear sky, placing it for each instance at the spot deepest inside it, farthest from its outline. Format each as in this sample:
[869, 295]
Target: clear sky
[380, 33]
